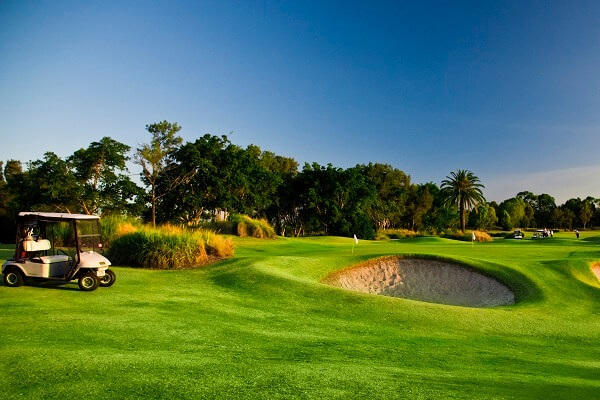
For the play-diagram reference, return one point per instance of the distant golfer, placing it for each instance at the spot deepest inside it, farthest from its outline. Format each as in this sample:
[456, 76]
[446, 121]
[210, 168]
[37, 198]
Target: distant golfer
[577, 233]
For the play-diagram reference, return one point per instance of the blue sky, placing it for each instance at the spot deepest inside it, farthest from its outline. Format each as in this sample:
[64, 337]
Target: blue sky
[507, 89]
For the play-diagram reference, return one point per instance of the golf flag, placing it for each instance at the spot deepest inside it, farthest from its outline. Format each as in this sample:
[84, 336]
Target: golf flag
[355, 239]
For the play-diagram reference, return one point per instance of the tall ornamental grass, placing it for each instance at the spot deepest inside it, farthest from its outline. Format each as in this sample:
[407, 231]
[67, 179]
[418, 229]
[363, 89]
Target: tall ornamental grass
[168, 247]
[114, 226]
[467, 236]
[243, 226]
[246, 226]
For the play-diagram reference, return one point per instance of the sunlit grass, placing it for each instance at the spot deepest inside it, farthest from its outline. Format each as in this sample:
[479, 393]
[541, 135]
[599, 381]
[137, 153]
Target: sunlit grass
[262, 325]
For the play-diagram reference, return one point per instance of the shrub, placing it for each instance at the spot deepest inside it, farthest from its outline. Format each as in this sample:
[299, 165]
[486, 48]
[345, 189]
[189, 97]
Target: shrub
[246, 226]
[223, 227]
[386, 234]
[114, 226]
[168, 247]
[480, 236]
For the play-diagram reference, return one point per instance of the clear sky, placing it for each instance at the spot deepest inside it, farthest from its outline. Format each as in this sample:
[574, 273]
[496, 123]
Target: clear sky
[507, 89]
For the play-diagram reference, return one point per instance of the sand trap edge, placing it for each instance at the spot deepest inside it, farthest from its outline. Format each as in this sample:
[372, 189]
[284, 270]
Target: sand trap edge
[424, 278]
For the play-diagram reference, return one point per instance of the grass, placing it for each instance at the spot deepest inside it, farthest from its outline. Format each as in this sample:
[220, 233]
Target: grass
[261, 325]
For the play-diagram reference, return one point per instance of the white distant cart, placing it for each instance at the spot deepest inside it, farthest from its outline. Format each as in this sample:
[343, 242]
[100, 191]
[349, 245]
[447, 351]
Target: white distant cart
[60, 248]
[542, 233]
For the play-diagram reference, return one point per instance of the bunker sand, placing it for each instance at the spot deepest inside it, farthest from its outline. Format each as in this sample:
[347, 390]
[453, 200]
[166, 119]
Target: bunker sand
[596, 269]
[425, 280]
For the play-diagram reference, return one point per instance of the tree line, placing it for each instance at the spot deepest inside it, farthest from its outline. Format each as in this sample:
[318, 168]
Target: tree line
[211, 178]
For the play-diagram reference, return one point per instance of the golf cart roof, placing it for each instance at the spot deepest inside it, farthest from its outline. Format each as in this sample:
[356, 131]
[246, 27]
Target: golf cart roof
[57, 216]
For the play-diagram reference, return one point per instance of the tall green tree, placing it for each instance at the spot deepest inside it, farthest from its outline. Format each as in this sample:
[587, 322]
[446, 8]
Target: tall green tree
[392, 189]
[483, 217]
[12, 175]
[100, 170]
[219, 176]
[333, 201]
[46, 185]
[463, 189]
[586, 213]
[155, 158]
[419, 203]
[515, 208]
[12, 169]
[544, 209]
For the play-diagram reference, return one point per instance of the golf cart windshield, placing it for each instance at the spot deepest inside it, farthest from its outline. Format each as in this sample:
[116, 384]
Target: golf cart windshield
[88, 235]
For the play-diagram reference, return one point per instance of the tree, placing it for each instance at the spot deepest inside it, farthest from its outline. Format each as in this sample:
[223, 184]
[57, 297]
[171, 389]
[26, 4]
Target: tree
[463, 189]
[221, 176]
[586, 213]
[155, 157]
[544, 207]
[12, 174]
[562, 217]
[334, 201]
[419, 202]
[47, 185]
[12, 168]
[505, 220]
[528, 220]
[483, 217]
[391, 186]
[516, 209]
[99, 170]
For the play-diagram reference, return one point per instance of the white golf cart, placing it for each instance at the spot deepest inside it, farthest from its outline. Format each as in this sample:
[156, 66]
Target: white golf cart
[59, 248]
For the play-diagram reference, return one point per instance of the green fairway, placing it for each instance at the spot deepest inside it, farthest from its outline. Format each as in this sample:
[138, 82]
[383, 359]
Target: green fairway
[261, 325]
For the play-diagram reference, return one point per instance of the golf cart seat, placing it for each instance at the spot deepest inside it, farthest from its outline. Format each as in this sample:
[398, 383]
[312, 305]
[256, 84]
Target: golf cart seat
[39, 245]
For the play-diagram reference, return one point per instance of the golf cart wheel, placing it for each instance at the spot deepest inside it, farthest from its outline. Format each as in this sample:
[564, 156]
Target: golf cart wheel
[108, 279]
[88, 282]
[13, 277]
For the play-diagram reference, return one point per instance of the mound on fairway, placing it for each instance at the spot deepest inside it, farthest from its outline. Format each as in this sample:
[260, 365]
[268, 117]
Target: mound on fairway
[425, 280]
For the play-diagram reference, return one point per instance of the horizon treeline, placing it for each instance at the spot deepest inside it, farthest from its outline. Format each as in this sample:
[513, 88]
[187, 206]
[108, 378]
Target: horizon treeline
[195, 182]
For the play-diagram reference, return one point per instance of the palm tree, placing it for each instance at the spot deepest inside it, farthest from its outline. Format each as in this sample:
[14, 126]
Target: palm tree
[463, 189]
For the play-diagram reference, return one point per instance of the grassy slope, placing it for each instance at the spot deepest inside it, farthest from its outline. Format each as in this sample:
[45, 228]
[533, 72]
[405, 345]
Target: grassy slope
[262, 326]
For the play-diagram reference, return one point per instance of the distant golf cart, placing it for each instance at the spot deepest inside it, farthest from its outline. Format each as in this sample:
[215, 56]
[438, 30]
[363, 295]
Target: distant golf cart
[517, 234]
[542, 233]
[55, 247]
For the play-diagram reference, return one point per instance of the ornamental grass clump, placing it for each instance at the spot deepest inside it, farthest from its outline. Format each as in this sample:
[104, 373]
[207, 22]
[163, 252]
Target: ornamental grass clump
[168, 247]
[246, 226]
[114, 226]
[470, 236]
[387, 234]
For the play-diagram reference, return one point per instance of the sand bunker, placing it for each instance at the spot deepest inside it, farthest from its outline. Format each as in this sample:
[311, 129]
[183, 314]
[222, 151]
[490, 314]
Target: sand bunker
[425, 280]
[596, 269]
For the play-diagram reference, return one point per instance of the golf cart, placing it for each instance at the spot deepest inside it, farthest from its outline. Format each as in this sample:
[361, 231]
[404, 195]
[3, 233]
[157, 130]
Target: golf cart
[56, 247]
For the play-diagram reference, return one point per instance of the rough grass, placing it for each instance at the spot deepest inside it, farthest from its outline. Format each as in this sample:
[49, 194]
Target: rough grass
[261, 325]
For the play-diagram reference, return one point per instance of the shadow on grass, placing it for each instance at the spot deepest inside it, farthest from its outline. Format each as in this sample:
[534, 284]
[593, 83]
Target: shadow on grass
[51, 285]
